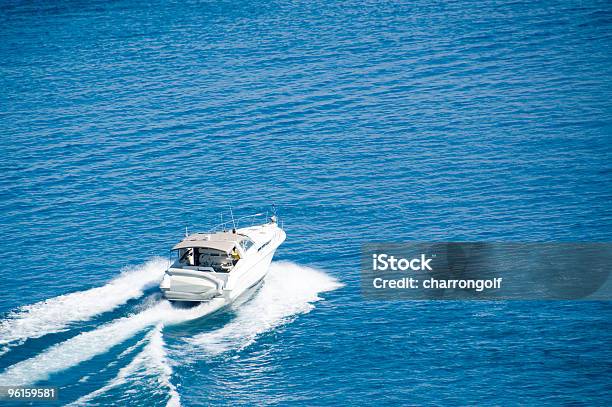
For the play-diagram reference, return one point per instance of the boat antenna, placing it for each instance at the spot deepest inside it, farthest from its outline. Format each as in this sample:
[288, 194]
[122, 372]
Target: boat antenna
[186, 232]
[222, 224]
[233, 221]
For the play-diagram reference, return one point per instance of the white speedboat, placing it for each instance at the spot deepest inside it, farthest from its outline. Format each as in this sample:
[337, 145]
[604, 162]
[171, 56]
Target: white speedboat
[221, 265]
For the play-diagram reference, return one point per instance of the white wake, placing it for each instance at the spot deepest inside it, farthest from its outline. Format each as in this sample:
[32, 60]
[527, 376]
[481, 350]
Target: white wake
[149, 366]
[92, 343]
[289, 290]
[56, 314]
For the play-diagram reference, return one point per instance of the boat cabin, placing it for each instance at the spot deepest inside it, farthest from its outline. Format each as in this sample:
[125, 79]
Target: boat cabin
[218, 252]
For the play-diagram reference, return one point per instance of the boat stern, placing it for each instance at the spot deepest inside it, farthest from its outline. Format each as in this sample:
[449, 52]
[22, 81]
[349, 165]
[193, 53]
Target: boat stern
[192, 285]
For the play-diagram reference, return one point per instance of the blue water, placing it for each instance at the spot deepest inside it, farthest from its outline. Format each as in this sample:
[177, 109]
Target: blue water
[123, 122]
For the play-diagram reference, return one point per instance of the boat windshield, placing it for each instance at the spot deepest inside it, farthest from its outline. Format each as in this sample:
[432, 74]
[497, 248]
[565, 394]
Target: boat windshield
[246, 244]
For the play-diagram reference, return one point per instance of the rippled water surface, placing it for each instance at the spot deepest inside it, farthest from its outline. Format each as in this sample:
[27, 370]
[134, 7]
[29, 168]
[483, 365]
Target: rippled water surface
[121, 123]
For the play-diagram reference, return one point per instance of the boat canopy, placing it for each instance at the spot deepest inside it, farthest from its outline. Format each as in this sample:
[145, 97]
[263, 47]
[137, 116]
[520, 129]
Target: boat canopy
[222, 241]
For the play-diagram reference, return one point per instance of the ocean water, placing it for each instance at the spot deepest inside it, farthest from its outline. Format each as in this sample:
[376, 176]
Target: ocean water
[122, 123]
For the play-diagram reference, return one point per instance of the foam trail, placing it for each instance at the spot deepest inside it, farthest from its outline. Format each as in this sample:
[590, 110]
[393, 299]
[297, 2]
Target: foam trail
[150, 365]
[56, 314]
[289, 290]
[89, 344]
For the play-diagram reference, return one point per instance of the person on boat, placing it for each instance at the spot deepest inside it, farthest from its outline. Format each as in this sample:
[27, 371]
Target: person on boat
[235, 255]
